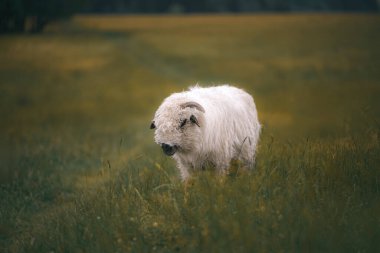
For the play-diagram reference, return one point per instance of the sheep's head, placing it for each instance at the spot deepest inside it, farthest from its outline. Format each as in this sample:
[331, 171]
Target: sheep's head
[178, 126]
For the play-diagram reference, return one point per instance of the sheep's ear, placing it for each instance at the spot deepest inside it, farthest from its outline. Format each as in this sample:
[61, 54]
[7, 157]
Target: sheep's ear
[152, 125]
[193, 104]
[194, 120]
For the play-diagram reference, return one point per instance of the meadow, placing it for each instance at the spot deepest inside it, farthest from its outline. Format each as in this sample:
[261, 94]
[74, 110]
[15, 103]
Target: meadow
[80, 171]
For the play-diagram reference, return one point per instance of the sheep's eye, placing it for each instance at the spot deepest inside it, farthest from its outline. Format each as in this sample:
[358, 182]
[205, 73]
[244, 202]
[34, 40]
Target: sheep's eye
[152, 126]
[194, 120]
[183, 123]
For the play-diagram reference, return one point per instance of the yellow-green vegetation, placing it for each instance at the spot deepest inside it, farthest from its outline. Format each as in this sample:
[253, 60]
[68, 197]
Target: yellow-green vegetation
[80, 171]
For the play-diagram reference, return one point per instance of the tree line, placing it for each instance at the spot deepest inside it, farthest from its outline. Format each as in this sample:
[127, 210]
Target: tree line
[33, 15]
[191, 6]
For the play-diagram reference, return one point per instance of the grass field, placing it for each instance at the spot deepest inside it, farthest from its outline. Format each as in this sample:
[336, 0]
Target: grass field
[80, 171]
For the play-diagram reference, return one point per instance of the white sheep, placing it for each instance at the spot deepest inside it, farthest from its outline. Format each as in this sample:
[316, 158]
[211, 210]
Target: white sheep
[208, 127]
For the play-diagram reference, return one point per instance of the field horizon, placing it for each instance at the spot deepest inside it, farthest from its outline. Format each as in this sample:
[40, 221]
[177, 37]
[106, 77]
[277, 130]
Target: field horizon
[80, 171]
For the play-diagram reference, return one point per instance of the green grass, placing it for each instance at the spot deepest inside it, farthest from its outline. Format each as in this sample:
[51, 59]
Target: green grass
[80, 172]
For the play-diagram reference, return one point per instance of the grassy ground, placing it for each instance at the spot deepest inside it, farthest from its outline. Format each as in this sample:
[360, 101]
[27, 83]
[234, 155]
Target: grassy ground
[80, 172]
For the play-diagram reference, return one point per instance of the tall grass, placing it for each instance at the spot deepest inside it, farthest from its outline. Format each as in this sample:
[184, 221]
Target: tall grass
[308, 196]
[80, 172]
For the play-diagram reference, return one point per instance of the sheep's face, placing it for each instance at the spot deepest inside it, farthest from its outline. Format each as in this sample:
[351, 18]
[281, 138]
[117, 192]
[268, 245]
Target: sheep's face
[177, 129]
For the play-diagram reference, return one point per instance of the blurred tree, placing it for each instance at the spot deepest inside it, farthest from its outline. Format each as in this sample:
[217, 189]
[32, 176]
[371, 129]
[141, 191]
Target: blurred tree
[33, 15]
[12, 16]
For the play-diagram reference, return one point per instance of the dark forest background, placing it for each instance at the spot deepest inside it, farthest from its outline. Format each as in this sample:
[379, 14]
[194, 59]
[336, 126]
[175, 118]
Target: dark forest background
[33, 15]
[190, 6]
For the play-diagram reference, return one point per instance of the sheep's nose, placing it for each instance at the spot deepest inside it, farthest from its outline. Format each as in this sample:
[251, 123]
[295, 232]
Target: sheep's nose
[168, 150]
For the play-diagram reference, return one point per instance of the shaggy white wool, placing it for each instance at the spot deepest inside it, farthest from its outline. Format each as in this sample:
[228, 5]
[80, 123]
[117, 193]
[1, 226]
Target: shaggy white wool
[208, 126]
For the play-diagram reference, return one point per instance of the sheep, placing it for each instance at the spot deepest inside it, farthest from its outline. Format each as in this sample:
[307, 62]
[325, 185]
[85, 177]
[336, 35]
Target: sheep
[208, 126]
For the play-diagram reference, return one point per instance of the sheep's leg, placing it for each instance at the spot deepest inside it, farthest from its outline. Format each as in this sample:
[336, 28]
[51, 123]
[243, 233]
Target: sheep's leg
[247, 154]
[184, 171]
[222, 167]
